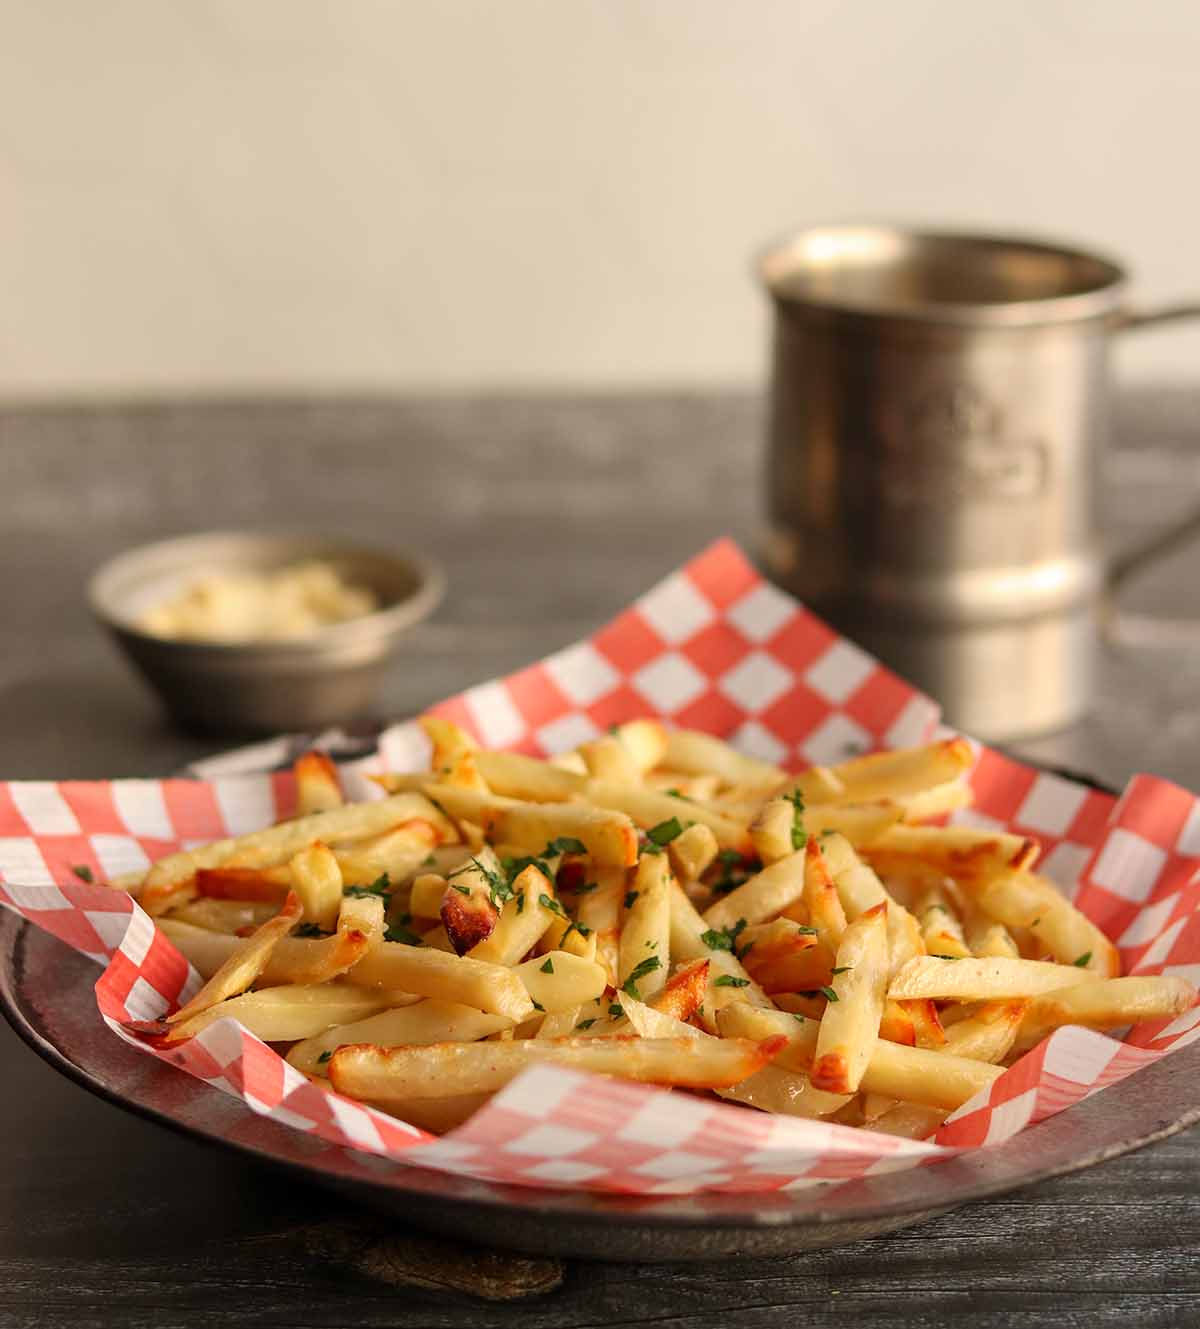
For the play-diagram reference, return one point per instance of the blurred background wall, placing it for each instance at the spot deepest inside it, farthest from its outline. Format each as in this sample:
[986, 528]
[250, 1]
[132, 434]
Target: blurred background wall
[299, 195]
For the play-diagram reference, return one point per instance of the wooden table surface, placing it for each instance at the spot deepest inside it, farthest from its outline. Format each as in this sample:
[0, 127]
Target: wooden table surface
[549, 514]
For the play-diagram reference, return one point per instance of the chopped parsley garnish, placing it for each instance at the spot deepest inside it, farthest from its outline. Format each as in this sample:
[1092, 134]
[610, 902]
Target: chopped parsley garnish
[585, 888]
[565, 844]
[828, 993]
[323, 1058]
[520, 902]
[934, 955]
[548, 967]
[665, 832]
[400, 931]
[380, 887]
[515, 866]
[647, 966]
[723, 939]
[616, 1010]
[84, 873]
[804, 930]
[429, 861]
[797, 1016]
[499, 889]
[549, 902]
[736, 871]
[586, 1024]
[729, 981]
[1082, 961]
[310, 930]
[537, 1006]
[841, 968]
[462, 890]
[799, 834]
[630, 896]
[674, 793]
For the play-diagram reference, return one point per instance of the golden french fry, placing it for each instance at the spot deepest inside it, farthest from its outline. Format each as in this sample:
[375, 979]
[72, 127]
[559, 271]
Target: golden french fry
[599, 911]
[816, 785]
[850, 1025]
[428, 891]
[969, 856]
[467, 911]
[861, 824]
[860, 890]
[360, 926]
[447, 739]
[935, 802]
[649, 809]
[821, 899]
[397, 853]
[317, 880]
[880, 775]
[229, 916]
[694, 753]
[244, 964]
[278, 1015]
[941, 931]
[237, 883]
[684, 992]
[528, 779]
[561, 981]
[523, 921]
[646, 741]
[793, 1095]
[761, 897]
[981, 980]
[1112, 1003]
[446, 977]
[609, 760]
[771, 831]
[1025, 900]
[987, 939]
[317, 785]
[387, 1075]
[728, 980]
[990, 1034]
[645, 945]
[692, 852]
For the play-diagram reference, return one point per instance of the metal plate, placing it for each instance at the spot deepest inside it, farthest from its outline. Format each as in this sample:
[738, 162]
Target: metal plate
[46, 991]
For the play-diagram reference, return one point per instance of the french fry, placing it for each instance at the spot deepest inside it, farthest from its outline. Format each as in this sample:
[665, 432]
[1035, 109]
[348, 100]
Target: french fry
[235, 883]
[523, 920]
[683, 994]
[599, 911]
[281, 1014]
[816, 785]
[397, 853]
[771, 831]
[421, 1023]
[317, 785]
[860, 890]
[694, 753]
[850, 1026]
[989, 1035]
[897, 1024]
[171, 877]
[861, 824]
[648, 809]
[527, 779]
[645, 946]
[388, 1075]
[792, 1095]
[317, 880]
[229, 916]
[687, 943]
[561, 981]
[360, 926]
[890, 775]
[428, 891]
[763, 896]
[467, 912]
[447, 977]
[447, 740]
[1108, 1003]
[969, 856]
[981, 980]
[609, 760]
[941, 931]
[821, 899]
[646, 741]
[912, 1121]
[243, 965]
[935, 802]
[693, 851]
[1025, 900]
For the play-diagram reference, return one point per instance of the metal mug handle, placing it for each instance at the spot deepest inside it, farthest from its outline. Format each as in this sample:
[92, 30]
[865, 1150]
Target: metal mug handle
[1180, 532]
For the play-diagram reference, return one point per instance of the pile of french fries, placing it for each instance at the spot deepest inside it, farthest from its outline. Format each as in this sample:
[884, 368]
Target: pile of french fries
[654, 905]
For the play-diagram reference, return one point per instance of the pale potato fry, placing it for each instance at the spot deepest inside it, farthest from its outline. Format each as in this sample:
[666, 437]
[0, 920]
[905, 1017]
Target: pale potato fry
[986, 938]
[561, 981]
[560, 1024]
[397, 854]
[462, 771]
[609, 760]
[910, 1075]
[695, 753]
[645, 948]
[688, 943]
[941, 931]
[421, 1023]
[526, 778]
[1108, 1003]
[692, 852]
[567, 761]
[170, 877]
[968, 855]
[861, 824]
[860, 890]
[981, 980]
[821, 899]
[935, 802]
[762, 896]
[523, 921]
[816, 785]
[912, 1121]
[439, 940]
[278, 1015]
[428, 891]
[1025, 900]
[890, 775]
[447, 740]
[360, 926]
[850, 1025]
[646, 741]
[243, 965]
[699, 788]
[317, 880]
[771, 831]
[317, 785]
[990, 1034]
[446, 977]
[599, 911]
[386, 1075]
[229, 916]
[649, 809]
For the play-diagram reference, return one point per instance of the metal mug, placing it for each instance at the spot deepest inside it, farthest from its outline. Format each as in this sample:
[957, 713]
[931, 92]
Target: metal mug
[938, 410]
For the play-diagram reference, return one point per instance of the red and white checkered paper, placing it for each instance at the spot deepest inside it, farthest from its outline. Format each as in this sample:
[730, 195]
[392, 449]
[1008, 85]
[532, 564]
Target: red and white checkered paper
[712, 647]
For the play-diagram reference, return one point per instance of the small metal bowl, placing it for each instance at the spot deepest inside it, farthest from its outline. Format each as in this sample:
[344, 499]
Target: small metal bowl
[255, 687]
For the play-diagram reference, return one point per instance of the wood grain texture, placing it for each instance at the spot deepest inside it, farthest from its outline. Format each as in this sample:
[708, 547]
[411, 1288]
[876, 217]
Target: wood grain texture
[549, 514]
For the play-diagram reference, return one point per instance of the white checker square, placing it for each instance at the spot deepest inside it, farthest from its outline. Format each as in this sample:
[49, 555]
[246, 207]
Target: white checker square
[537, 1092]
[500, 723]
[840, 672]
[45, 810]
[675, 1163]
[979, 821]
[760, 614]
[675, 609]
[1010, 1117]
[1128, 866]
[1190, 972]
[755, 741]
[119, 853]
[355, 1124]
[756, 682]
[289, 1118]
[405, 747]
[247, 802]
[446, 1153]
[139, 937]
[141, 806]
[1149, 922]
[145, 1002]
[1051, 804]
[565, 733]
[1182, 1024]
[1064, 865]
[1189, 837]
[663, 1118]
[582, 674]
[564, 1170]
[1158, 950]
[1079, 1055]
[550, 1141]
[21, 861]
[917, 717]
[670, 682]
[110, 926]
[833, 739]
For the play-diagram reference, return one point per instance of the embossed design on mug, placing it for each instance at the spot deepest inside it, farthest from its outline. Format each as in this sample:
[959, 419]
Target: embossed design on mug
[953, 444]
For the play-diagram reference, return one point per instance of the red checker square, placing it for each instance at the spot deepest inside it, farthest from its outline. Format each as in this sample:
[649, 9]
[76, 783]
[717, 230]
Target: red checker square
[284, 794]
[456, 711]
[118, 979]
[1091, 820]
[193, 810]
[263, 1071]
[878, 701]
[1109, 912]
[802, 640]
[164, 967]
[1156, 809]
[796, 714]
[537, 697]
[628, 642]
[622, 704]
[716, 649]
[722, 574]
[11, 821]
[91, 802]
[1000, 785]
[712, 712]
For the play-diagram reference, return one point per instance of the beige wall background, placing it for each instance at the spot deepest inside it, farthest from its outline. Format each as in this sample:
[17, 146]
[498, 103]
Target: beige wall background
[282, 195]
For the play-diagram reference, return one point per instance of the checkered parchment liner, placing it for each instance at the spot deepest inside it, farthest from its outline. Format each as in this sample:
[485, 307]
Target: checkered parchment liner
[715, 648]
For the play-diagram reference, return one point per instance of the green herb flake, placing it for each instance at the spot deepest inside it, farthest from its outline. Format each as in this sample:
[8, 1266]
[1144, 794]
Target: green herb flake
[797, 1016]
[381, 887]
[537, 1006]
[84, 873]
[806, 931]
[401, 932]
[647, 966]
[585, 888]
[586, 1024]
[1082, 961]
[429, 861]
[462, 890]
[729, 981]
[630, 896]
[723, 939]
[935, 955]
[616, 1010]
[799, 834]
[520, 902]
[841, 969]
[565, 844]
[674, 793]
[729, 856]
[665, 832]
[828, 993]
[310, 930]
[499, 889]
[323, 1058]
[548, 967]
